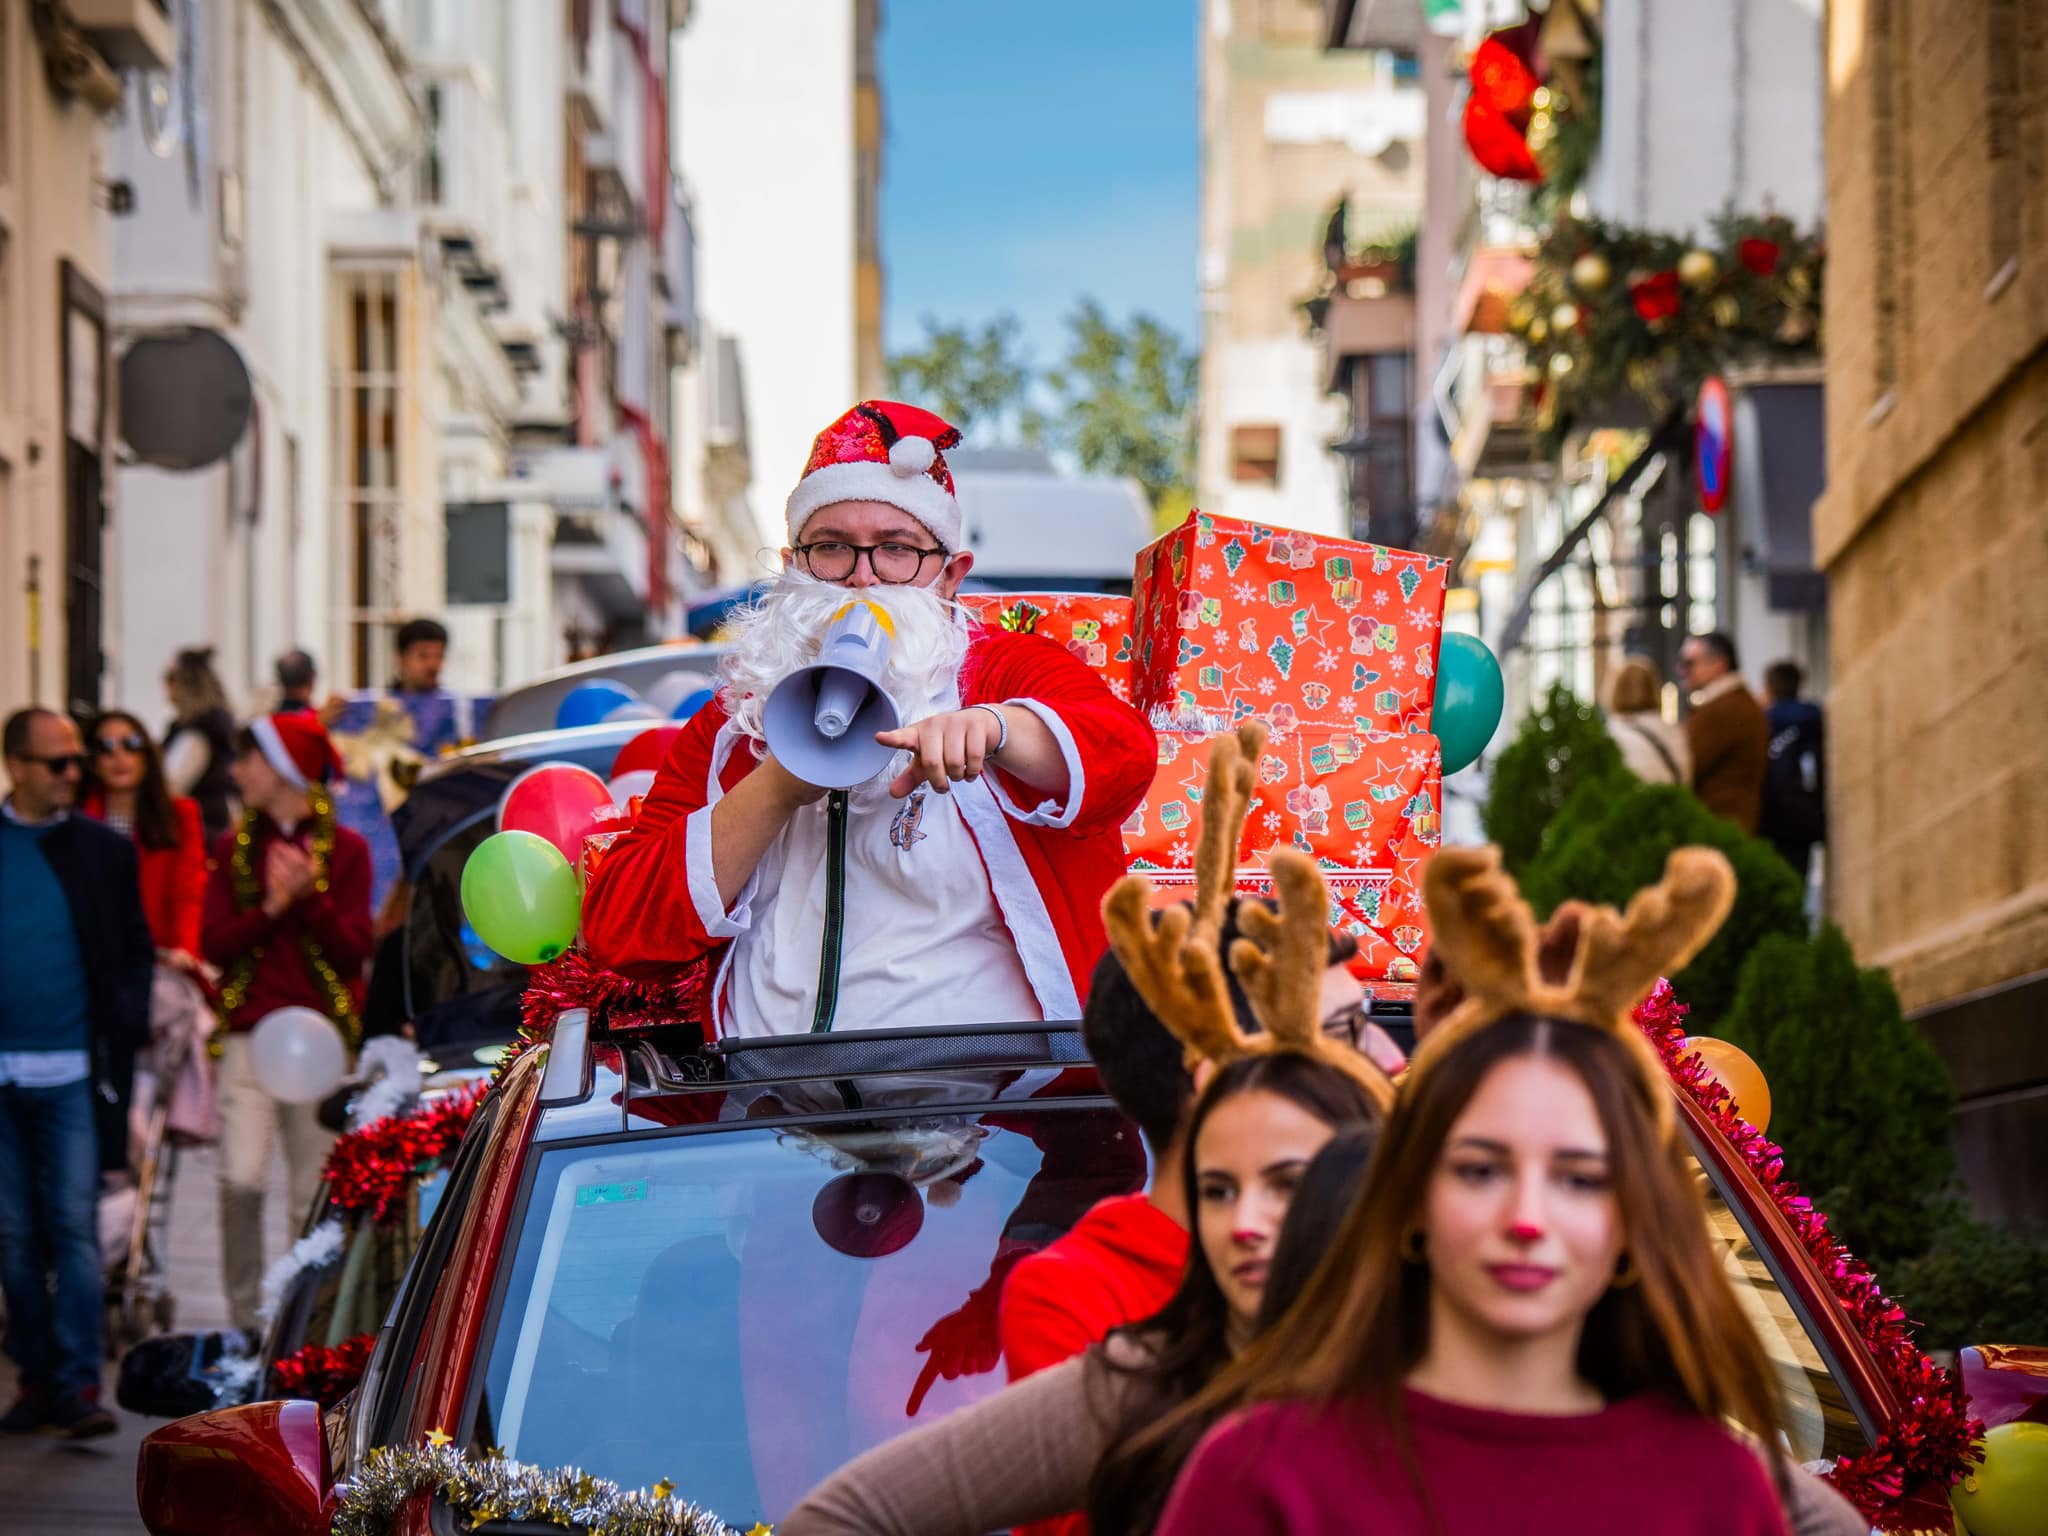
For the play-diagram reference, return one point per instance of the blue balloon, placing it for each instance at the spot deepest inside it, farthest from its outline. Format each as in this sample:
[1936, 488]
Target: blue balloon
[589, 703]
[693, 703]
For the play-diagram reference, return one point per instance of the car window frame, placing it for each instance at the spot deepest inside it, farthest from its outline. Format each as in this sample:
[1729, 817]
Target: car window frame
[464, 1427]
[378, 1411]
[1746, 1199]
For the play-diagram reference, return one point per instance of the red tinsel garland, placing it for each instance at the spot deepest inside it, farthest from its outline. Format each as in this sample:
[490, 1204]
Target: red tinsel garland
[369, 1171]
[1933, 1439]
[322, 1374]
[576, 981]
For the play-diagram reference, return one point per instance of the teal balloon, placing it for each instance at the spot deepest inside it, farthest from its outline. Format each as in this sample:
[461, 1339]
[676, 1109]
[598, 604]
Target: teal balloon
[521, 897]
[1469, 698]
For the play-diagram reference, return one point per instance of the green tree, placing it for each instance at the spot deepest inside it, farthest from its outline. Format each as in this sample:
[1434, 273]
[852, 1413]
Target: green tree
[1560, 746]
[1612, 838]
[1859, 1099]
[1126, 397]
[981, 381]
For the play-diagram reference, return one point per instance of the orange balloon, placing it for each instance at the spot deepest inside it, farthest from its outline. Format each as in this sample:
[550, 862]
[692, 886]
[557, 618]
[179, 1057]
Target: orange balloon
[1741, 1076]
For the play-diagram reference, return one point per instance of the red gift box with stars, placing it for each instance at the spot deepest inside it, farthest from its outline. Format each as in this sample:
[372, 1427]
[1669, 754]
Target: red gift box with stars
[1095, 626]
[1235, 620]
[1366, 805]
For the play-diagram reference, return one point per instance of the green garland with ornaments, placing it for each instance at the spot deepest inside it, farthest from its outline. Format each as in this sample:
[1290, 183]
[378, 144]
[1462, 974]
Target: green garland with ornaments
[1612, 313]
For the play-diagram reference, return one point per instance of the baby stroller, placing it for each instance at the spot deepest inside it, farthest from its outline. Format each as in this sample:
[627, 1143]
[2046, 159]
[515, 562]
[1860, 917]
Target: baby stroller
[173, 1107]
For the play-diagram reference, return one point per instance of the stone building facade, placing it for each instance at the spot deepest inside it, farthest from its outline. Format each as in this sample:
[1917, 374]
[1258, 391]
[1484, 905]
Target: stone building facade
[1934, 534]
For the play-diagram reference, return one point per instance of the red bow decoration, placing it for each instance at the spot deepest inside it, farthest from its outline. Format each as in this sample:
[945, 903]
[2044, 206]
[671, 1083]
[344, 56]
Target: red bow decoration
[1656, 297]
[1497, 113]
[1761, 256]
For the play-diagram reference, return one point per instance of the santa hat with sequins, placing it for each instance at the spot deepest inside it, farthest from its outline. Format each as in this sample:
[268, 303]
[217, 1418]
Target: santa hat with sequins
[882, 451]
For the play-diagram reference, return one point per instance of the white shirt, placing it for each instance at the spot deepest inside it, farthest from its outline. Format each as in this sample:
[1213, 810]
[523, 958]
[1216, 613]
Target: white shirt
[921, 923]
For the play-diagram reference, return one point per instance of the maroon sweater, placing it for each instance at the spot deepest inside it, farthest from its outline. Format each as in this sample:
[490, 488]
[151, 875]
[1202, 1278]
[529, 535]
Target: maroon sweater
[1639, 1467]
[338, 919]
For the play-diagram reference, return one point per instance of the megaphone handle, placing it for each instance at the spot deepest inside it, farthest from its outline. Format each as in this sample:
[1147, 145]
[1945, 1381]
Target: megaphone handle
[834, 934]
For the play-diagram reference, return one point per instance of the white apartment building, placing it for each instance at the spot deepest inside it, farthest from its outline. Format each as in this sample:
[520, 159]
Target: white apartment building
[779, 135]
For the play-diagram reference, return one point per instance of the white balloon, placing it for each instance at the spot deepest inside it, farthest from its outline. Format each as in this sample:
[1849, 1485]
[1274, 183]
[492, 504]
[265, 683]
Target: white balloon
[634, 709]
[627, 785]
[298, 1055]
[671, 688]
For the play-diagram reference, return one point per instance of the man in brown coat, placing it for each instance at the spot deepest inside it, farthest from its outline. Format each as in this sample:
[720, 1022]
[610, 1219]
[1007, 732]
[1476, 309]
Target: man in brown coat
[1727, 731]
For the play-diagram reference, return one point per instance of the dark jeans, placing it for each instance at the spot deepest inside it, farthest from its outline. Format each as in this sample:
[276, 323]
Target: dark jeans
[49, 1235]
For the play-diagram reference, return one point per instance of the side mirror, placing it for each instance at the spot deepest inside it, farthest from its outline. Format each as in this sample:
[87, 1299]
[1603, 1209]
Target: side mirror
[175, 1374]
[259, 1470]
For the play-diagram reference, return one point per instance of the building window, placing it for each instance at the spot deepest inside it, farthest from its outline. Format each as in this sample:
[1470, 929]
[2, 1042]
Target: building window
[369, 409]
[1381, 449]
[1255, 454]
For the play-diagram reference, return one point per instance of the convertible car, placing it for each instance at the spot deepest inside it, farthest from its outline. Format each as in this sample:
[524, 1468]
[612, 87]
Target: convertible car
[722, 1272]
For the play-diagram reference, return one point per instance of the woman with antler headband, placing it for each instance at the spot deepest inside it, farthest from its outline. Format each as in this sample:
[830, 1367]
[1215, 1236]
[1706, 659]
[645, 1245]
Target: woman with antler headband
[1076, 1435]
[1522, 1325]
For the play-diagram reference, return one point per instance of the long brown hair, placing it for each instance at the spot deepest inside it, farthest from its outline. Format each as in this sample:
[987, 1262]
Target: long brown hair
[1186, 1342]
[1362, 1323]
[156, 818]
[199, 690]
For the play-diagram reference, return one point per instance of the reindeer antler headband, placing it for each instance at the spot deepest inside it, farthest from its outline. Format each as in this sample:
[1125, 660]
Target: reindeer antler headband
[1487, 939]
[1172, 957]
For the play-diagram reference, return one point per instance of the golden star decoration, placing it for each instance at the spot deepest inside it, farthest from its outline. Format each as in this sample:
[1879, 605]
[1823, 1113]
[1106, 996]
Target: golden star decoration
[438, 1437]
[758, 1529]
[663, 1488]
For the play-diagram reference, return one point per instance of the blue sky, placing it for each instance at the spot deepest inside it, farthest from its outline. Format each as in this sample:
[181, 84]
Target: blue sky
[1035, 154]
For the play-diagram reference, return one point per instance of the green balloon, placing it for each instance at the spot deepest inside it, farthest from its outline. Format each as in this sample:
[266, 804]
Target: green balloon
[521, 897]
[2007, 1493]
[1469, 696]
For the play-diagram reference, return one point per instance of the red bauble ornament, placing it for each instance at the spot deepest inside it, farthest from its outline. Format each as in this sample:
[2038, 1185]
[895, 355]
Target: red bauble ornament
[1656, 297]
[1501, 80]
[1761, 256]
[1497, 144]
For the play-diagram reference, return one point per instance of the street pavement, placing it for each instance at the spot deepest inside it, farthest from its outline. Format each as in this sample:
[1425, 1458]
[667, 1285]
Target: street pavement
[51, 1487]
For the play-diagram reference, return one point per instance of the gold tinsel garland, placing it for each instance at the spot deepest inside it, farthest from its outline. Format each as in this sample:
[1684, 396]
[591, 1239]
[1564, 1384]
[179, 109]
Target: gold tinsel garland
[341, 1003]
[483, 1487]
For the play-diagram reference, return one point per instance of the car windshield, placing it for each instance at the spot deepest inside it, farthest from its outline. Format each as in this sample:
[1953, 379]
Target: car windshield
[740, 1311]
[1820, 1423]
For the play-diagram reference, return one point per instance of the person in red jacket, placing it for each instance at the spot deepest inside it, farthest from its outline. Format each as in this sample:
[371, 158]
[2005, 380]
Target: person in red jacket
[126, 790]
[288, 923]
[963, 888]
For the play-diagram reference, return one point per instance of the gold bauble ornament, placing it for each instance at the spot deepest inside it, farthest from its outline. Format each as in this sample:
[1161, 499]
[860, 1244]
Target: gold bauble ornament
[1565, 316]
[1725, 310]
[1590, 273]
[1698, 269]
[1539, 329]
[1520, 313]
[1800, 281]
[1560, 365]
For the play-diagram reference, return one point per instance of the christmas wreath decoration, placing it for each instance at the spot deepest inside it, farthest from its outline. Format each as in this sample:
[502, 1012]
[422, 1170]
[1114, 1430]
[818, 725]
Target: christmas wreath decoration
[1934, 1439]
[1532, 107]
[488, 1486]
[1613, 313]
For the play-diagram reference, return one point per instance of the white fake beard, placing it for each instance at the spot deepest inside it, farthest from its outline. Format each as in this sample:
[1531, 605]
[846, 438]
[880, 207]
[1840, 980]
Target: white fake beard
[782, 632]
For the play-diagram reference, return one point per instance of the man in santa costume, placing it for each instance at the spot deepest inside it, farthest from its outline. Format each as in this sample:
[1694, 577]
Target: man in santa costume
[961, 885]
[287, 920]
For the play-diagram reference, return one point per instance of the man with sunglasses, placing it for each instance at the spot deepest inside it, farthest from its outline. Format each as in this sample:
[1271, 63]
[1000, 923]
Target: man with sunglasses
[75, 969]
[962, 887]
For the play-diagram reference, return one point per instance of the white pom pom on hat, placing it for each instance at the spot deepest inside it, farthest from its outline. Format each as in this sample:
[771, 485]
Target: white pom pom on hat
[912, 455]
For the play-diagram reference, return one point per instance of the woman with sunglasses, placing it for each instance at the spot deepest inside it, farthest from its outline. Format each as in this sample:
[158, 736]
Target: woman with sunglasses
[125, 788]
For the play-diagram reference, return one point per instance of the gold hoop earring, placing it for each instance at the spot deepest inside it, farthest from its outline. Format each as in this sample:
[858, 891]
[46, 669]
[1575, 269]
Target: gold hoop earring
[1411, 1246]
[1628, 1272]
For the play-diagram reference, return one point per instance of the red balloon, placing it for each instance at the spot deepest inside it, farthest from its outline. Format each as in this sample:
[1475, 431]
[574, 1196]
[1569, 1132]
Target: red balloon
[648, 750]
[1497, 144]
[557, 801]
[1501, 80]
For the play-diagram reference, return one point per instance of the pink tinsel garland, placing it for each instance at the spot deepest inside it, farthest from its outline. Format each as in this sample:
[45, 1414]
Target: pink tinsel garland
[575, 981]
[1933, 1438]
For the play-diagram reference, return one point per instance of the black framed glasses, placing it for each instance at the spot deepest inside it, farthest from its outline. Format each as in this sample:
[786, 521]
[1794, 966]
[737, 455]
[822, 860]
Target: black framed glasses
[62, 763]
[133, 743]
[893, 564]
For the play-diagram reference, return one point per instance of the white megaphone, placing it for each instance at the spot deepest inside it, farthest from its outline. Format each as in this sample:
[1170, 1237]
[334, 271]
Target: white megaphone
[821, 720]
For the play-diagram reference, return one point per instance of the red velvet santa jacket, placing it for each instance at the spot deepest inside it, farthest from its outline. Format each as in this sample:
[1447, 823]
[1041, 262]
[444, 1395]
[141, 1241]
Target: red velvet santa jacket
[653, 904]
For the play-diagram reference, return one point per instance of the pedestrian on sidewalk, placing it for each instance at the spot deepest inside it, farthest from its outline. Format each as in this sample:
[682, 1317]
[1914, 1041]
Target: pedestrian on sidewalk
[200, 744]
[1795, 809]
[75, 965]
[1652, 748]
[1726, 730]
[297, 679]
[288, 923]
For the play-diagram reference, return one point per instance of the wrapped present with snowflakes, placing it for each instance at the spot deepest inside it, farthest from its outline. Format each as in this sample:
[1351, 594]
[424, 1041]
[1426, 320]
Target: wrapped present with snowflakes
[1095, 626]
[1237, 620]
[1365, 805]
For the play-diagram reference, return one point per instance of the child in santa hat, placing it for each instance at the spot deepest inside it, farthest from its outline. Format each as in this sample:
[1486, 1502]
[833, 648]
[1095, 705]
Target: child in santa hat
[965, 880]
